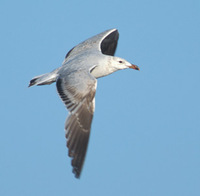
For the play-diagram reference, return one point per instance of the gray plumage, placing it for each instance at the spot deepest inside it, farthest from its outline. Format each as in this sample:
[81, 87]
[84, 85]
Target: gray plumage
[76, 85]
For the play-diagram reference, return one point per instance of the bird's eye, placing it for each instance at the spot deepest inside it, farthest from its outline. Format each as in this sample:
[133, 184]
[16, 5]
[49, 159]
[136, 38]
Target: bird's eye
[120, 62]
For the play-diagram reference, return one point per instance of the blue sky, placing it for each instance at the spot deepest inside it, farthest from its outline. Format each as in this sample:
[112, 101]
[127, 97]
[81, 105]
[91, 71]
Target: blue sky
[146, 128]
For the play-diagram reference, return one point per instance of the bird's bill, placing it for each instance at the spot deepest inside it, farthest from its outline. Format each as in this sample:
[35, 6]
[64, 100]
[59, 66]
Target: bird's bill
[134, 67]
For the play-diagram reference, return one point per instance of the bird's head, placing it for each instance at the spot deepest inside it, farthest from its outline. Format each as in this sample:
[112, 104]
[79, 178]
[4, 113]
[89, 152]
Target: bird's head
[119, 63]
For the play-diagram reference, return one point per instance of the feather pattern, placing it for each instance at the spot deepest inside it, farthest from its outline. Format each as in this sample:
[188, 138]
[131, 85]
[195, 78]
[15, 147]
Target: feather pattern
[79, 100]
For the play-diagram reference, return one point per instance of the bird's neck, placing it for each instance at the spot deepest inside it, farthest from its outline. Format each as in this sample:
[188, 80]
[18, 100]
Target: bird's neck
[103, 69]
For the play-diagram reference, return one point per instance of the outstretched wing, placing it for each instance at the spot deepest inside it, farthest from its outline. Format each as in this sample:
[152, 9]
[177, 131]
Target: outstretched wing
[105, 42]
[78, 96]
[109, 43]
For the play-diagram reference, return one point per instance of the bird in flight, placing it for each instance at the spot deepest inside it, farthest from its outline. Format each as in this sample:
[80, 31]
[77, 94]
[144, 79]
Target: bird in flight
[76, 82]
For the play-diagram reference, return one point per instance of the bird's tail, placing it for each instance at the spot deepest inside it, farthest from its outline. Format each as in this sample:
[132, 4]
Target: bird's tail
[44, 79]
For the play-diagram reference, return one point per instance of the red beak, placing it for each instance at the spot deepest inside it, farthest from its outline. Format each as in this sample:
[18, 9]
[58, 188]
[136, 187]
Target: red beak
[134, 67]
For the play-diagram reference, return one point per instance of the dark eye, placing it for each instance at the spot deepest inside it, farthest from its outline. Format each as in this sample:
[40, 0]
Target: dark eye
[120, 62]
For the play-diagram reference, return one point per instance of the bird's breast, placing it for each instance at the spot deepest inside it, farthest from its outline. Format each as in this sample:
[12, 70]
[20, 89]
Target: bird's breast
[101, 71]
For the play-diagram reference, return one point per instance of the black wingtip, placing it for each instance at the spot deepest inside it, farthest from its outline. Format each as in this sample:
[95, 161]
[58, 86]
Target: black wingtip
[76, 172]
[109, 43]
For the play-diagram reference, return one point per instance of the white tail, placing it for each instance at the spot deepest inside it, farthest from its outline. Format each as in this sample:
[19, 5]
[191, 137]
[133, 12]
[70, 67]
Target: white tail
[44, 79]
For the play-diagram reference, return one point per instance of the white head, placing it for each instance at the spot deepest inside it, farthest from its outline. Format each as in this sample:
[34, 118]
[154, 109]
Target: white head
[113, 64]
[118, 63]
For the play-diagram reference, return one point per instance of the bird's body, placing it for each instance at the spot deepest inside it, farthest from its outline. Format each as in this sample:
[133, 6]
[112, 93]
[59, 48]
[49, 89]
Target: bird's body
[76, 84]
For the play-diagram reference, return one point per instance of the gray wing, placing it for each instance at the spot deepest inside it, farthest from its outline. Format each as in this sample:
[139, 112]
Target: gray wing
[105, 42]
[77, 90]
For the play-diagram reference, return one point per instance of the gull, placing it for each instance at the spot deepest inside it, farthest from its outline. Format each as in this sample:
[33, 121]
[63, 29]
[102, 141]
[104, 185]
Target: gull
[76, 82]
